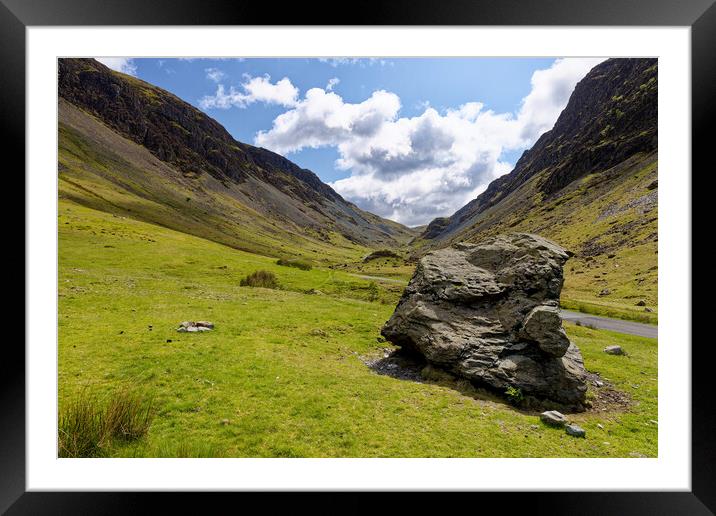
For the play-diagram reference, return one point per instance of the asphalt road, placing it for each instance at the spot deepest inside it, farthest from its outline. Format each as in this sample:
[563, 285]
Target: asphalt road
[604, 323]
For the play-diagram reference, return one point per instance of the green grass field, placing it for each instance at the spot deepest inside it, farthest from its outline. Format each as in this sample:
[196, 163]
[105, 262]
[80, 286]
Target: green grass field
[281, 374]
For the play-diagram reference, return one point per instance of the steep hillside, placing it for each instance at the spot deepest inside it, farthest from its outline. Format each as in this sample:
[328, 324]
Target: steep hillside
[131, 148]
[590, 184]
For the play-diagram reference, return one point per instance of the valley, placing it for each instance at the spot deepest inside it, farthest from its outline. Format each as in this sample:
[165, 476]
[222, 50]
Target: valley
[163, 216]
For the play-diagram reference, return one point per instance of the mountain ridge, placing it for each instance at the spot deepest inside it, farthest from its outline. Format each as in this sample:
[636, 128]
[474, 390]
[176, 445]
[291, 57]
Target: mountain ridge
[591, 185]
[579, 140]
[206, 157]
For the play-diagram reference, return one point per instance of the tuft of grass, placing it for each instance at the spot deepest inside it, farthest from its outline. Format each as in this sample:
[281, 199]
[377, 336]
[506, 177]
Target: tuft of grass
[88, 428]
[80, 432]
[263, 279]
[298, 264]
[127, 416]
[514, 395]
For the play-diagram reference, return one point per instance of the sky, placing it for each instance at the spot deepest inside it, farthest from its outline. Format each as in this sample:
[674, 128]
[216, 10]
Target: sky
[409, 139]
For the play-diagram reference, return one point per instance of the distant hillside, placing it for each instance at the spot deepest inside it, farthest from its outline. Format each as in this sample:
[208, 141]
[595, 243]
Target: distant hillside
[130, 148]
[591, 185]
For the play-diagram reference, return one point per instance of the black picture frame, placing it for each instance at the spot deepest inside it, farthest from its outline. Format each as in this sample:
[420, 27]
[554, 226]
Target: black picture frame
[700, 15]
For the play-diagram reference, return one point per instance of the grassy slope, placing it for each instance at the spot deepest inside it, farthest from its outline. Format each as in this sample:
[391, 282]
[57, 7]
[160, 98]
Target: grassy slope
[593, 218]
[104, 171]
[287, 389]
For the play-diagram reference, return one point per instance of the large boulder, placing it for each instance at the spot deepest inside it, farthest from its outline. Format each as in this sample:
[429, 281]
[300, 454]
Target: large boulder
[489, 312]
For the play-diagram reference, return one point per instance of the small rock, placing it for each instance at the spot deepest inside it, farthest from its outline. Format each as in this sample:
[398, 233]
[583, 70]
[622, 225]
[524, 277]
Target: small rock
[600, 426]
[534, 427]
[203, 328]
[225, 422]
[169, 340]
[204, 324]
[553, 418]
[647, 309]
[614, 350]
[318, 333]
[192, 329]
[641, 302]
[653, 422]
[186, 324]
[182, 329]
[604, 292]
[575, 431]
[653, 185]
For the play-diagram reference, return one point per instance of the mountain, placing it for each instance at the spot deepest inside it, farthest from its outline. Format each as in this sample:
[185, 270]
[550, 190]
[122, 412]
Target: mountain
[590, 184]
[133, 149]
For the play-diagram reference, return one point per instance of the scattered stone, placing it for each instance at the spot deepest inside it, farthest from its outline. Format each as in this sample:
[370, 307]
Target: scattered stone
[169, 340]
[641, 302]
[653, 185]
[553, 418]
[318, 333]
[489, 313]
[653, 422]
[225, 422]
[604, 292]
[534, 427]
[600, 426]
[647, 309]
[614, 350]
[575, 431]
[194, 327]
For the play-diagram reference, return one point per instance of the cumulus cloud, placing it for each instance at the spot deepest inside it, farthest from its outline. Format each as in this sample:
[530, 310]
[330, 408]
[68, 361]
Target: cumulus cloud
[253, 89]
[413, 169]
[214, 74]
[332, 83]
[121, 64]
[322, 118]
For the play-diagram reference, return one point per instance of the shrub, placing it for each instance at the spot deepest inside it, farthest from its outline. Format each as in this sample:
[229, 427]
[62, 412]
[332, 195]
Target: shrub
[304, 266]
[264, 279]
[86, 427]
[373, 291]
[514, 395]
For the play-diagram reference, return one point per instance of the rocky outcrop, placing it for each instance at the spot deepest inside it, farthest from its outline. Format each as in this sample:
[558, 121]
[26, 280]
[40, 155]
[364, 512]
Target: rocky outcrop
[488, 312]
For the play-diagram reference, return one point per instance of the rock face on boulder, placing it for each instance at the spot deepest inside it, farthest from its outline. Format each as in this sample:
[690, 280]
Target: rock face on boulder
[489, 312]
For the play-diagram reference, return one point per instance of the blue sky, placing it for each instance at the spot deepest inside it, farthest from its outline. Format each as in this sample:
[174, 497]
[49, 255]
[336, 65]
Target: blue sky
[406, 138]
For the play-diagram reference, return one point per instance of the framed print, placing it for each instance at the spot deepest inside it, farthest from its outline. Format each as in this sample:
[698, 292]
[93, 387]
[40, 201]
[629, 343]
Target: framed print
[422, 249]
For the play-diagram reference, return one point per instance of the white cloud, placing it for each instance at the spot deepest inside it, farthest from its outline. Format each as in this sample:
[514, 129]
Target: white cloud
[214, 74]
[253, 89]
[121, 64]
[415, 169]
[332, 83]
